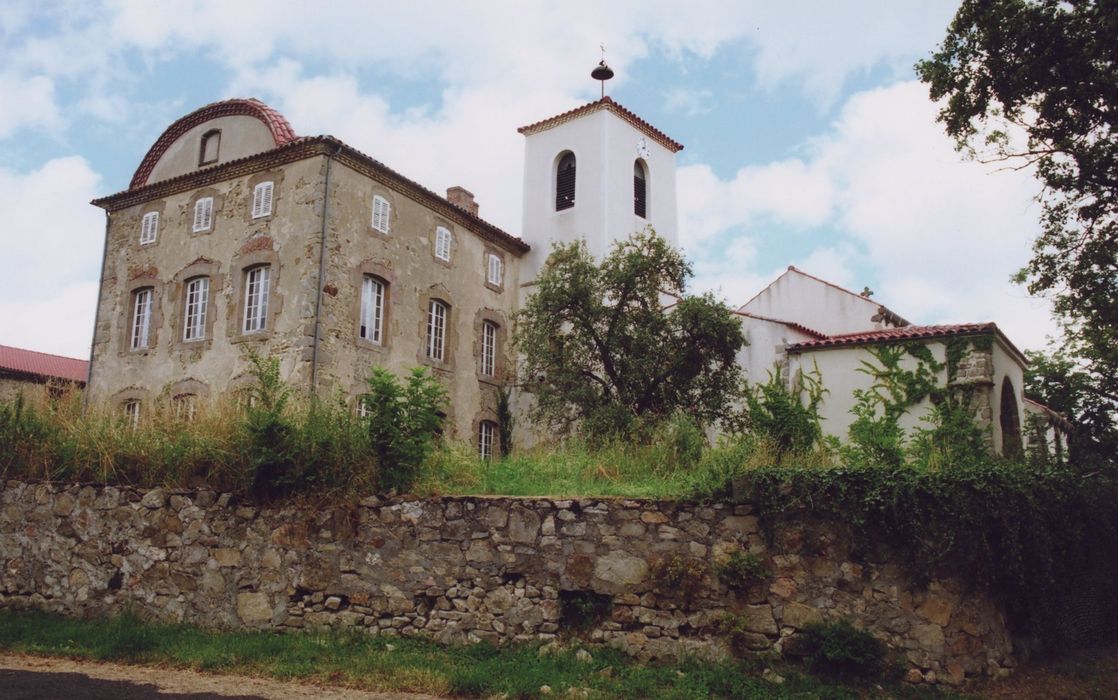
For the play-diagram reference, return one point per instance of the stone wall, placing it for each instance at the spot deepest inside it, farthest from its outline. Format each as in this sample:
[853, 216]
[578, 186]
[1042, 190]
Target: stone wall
[472, 568]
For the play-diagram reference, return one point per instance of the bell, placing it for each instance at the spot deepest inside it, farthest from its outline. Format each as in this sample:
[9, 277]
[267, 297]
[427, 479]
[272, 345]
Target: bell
[602, 72]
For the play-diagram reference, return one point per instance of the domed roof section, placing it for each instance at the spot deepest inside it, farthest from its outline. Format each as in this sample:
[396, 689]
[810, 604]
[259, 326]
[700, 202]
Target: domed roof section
[216, 133]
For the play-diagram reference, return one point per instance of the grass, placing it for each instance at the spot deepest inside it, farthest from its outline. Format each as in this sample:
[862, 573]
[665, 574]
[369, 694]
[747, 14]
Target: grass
[412, 665]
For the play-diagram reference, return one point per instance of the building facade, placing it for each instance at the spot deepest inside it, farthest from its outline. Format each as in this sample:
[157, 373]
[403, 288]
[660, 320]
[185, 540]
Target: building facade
[236, 235]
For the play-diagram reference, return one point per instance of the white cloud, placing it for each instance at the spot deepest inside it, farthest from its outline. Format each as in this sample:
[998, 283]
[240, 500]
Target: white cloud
[941, 235]
[52, 249]
[29, 102]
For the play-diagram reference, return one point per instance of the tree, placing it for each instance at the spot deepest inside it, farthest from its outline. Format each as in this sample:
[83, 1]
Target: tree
[404, 419]
[601, 350]
[1064, 385]
[1048, 69]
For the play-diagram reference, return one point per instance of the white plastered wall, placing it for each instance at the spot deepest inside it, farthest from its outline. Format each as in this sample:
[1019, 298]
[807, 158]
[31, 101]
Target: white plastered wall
[810, 302]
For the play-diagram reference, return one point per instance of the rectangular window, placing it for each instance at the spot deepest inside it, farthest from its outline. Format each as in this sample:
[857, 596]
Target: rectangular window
[495, 270]
[372, 309]
[148, 227]
[381, 210]
[442, 244]
[489, 349]
[262, 200]
[203, 214]
[486, 429]
[194, 313]
[256, 299]
[141, 318]
[436, 330]
[132, 412]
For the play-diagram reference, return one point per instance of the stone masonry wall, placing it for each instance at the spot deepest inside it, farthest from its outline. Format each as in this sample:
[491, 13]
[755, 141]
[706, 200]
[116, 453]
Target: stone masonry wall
[465, 569]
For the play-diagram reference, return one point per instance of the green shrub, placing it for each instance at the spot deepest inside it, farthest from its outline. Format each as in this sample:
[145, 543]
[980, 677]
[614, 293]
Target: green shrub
[741, 571]
[403, 422]
[780, 415]
[679, 578]
[840, 649]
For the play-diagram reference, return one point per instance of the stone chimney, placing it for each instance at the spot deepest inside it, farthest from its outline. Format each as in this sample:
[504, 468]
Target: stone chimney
[462, 198]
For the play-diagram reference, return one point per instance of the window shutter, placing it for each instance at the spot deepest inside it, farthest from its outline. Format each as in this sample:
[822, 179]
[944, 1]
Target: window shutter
[208, 213]
[199, 211]
[381, 210]
[262, 200]
[494, 270]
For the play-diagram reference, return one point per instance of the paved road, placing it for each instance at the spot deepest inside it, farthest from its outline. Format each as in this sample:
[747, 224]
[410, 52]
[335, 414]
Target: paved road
[36, 678]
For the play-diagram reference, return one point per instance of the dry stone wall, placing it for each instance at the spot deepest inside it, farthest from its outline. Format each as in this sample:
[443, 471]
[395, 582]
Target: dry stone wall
[466, 569]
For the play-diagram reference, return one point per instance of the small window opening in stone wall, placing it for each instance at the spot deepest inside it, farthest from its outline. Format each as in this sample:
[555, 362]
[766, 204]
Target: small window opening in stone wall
[580, 610]
[487, 436]
[185, 407]
[381, 213]
[203, 214]
[131, 411]
[149, 227]
[262, 200]
[442, 243]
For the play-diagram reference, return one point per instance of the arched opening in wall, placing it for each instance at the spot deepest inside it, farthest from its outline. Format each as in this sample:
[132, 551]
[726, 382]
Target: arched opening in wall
[640, 189]
[565, 181]
[210, 147]
[1010, 421]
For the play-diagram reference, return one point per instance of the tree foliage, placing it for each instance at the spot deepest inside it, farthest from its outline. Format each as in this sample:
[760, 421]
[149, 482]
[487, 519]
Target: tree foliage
[1049, 69]
[600, 349]
[404, 419]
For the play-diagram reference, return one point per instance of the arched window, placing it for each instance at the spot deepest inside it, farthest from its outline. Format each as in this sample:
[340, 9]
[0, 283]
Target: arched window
[1010, 421]
[486, 437]
[640, 190]
[373, 297]
[211, 145]
[195, 306]
[437, 312]
[565, 182]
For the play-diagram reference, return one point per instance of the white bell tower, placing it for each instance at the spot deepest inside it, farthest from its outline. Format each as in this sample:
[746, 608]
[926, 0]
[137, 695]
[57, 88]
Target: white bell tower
[596, 173]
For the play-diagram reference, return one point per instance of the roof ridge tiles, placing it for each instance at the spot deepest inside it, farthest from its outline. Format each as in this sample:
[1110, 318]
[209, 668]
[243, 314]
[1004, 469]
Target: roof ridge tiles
[613, 106]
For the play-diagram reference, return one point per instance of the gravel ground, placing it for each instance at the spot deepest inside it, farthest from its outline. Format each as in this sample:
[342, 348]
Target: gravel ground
[32, 677]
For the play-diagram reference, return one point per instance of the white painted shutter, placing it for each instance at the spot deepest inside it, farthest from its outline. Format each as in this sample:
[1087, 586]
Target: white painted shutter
[203, 214]
[381, 210]
[262, 200]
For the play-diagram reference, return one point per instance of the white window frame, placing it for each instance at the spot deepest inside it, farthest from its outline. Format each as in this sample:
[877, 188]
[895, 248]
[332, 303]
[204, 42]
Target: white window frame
[489, 349]
[373, 292]
[149, 227]
[437, 312]
[262, 199]
[362, 408]
[443, 239]
[131, 410]
[141, 319]
[486, 434]
[195, 305]
[494, 273]
[382, 211]
[203, 214]
[257, 280]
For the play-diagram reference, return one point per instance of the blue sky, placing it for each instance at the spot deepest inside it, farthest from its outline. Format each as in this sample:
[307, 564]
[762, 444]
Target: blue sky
[808, 140]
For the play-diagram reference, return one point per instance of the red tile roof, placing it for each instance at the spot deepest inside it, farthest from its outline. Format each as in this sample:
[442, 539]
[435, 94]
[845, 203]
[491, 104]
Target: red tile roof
[888, 335]
[791, 324]
[608, 104]
[282, 133]
[40, 364]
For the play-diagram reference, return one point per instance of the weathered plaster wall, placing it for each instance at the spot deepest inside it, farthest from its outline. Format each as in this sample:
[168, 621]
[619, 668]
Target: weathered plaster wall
[404, 258]
[240, 136]
[469, 569]
[820, 306]
[11, 387]
[288, 239]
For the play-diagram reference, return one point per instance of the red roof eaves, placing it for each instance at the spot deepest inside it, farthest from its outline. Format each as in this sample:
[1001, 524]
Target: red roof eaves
[886, 335]
[44, 365]
[791, 324]
[606, 103]
[216, 172]
[280, 128]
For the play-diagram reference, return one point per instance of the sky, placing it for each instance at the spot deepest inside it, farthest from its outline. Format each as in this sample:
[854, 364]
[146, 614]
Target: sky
[808, 139]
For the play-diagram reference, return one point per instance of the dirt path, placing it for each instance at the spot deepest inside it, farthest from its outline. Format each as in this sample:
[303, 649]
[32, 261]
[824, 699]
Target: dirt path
[32, 677]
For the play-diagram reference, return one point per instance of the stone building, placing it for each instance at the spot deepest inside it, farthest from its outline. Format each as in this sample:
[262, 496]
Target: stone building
[22, 371]
[235, 235]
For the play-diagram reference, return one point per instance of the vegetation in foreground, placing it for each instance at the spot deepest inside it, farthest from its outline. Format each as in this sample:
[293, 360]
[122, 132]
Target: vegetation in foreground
[414, 665]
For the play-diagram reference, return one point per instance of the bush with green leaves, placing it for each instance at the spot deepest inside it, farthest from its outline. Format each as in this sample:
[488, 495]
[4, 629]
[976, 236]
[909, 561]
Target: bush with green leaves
[404, 420]
[679, 578]
[840, 649]
[742, 570]
[787, 417]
